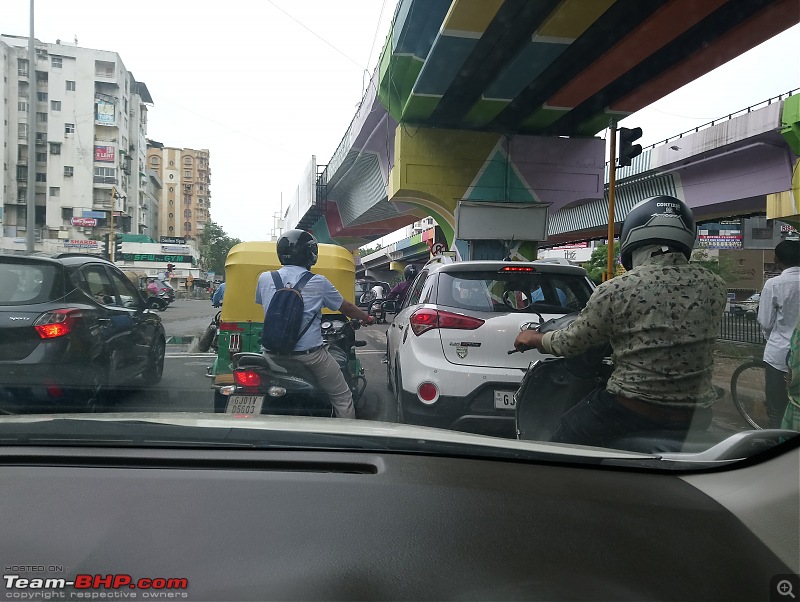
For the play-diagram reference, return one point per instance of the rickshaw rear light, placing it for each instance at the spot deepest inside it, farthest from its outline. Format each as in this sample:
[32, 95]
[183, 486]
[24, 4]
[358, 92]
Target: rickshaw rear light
[247, 378]
[230, 327]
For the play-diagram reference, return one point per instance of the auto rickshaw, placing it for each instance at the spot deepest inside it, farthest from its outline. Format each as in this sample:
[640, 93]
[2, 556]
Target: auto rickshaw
[242, 318]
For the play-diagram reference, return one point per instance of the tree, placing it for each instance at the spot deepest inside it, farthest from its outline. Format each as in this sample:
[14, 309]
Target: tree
[368, 250]
[214, 246]
[598, 262]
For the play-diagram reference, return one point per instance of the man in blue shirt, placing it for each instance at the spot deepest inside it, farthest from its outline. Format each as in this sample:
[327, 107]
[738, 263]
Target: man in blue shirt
[219, 294]
[297, 252]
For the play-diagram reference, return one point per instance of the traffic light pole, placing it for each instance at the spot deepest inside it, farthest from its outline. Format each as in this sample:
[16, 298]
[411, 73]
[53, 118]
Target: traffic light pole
[111, 233]
[612, 182]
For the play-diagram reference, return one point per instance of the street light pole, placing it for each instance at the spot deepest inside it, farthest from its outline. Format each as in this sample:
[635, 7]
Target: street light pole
[111, 249]
[30, 235]
[612, 181]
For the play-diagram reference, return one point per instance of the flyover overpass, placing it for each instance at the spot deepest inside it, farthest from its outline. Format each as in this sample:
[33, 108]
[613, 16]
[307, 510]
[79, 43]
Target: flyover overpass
[496, 101]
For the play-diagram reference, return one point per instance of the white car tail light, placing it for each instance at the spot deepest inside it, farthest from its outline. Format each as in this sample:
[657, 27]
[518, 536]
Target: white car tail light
[425, 319]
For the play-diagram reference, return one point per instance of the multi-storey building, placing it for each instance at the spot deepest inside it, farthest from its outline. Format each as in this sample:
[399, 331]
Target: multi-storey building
[90, 136]
[185, 193]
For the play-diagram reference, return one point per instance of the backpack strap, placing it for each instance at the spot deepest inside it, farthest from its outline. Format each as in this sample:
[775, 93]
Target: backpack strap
[303, 281]
[299, 287]
[276, 278]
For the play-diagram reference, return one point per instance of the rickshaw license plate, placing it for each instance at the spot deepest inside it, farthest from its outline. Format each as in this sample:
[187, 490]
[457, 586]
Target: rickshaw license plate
[244, 404]
[504, 400]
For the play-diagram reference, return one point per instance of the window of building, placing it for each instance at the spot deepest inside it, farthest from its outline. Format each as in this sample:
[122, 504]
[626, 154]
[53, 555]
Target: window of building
[22, 106]
[41, 96]
[171, 203]
[187, 226]
[22, 173]
[70, 85]
[41, 117]
[187, 173]
[41, 157]
[66, 213]
[55, 148]
[41, 139]
[187, 161]
[172, 189]
[187, 200]
[105, 175]
[68, 171]
[55, 105]
[154, 161]
[69, 128]
[187, 213]
[172, 163]
[172, 176]
[56, 62]
[55, 191]
[22, 67]
[41, 177]
[171, 216]
[171, 229]
[22, 128]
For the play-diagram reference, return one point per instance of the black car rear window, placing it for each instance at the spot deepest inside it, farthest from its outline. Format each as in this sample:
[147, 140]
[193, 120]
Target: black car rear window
[495, 291]
[24, 283]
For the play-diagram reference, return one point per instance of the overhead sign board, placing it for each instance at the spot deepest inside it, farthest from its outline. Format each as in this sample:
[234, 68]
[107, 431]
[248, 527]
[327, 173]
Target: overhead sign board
[104, 154]
[501, 221]
[85, 222]
[172, 240]
[96, 214]
[154, 257]
[82, 244]
[183, 250]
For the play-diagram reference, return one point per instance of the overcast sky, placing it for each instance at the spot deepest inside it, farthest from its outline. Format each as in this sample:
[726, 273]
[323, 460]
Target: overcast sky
[264, 85]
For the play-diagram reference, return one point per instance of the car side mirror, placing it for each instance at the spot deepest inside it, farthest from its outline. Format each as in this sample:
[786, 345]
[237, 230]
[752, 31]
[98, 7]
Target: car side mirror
[390, 307]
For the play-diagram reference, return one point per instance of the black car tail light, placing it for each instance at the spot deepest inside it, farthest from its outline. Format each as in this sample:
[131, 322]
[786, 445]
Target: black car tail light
[57, 323]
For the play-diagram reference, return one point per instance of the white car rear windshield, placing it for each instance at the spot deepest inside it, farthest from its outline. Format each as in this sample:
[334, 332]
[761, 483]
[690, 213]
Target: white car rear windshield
[494, 291]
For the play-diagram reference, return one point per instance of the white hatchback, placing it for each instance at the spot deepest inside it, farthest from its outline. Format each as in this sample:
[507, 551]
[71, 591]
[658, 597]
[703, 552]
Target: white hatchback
[447, 347]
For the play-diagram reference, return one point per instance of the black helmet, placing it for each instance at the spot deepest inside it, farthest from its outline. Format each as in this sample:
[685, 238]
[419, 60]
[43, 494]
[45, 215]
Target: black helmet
[659, 220]
[297, 247]
[409, 272]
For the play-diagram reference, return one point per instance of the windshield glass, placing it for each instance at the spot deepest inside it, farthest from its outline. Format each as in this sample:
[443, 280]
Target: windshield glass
[455, 176]
[504, 291]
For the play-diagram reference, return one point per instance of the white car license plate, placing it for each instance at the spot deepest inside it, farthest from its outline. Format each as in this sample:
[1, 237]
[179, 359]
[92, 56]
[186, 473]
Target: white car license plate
[244, 404]
[504, 400]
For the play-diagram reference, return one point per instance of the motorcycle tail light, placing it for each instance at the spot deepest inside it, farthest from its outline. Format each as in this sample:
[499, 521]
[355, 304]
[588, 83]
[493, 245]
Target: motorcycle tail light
[57, 323]
[247, 378]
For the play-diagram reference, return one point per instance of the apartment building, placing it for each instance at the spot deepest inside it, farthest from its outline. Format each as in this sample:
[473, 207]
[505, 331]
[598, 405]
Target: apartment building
[185, 193]
[90, 136]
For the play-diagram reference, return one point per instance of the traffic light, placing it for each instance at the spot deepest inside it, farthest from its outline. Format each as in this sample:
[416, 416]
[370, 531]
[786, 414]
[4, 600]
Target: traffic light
[104, 249]
[170, 267]
[117, 248]
[628, 150]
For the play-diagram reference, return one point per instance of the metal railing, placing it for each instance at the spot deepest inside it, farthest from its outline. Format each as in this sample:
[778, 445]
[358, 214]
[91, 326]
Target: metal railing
[740, 328]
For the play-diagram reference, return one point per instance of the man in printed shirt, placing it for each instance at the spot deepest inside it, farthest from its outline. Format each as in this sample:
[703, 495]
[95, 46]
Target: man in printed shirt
[661, 318]
[778, 309]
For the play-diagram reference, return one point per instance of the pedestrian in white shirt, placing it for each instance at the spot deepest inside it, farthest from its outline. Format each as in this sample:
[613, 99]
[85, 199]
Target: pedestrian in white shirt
[778, 311]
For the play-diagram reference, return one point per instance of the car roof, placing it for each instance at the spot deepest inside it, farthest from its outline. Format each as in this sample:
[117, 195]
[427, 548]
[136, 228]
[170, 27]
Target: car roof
[62, 259]
[542, 267]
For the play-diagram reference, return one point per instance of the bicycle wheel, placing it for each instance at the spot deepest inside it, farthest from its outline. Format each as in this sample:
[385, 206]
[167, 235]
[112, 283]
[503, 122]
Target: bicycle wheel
[747, 391]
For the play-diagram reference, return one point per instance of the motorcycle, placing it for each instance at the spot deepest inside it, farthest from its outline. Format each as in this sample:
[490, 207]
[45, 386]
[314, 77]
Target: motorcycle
[377, 311]
[210, 337]
[272, 383]
[553, 385]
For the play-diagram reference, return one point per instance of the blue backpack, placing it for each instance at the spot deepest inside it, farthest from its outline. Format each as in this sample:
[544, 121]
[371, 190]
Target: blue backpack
[284, 316]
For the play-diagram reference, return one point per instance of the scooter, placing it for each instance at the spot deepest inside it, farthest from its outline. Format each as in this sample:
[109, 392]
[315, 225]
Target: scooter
[272, 383]
[553, 385]
[211, 335]
[377, 311]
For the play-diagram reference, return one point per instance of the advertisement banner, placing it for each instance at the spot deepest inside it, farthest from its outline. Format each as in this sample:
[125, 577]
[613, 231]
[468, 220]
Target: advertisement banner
[155, 257]
[104, 154]
[720, 242]
[105, 112]
[82, 244]
[97, 214]
[172, 240]
[85, 222]
[175, 249]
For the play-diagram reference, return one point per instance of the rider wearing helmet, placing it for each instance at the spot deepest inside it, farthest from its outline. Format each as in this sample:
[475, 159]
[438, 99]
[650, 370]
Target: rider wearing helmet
[661, 319]
[399, 291]
[297, 252]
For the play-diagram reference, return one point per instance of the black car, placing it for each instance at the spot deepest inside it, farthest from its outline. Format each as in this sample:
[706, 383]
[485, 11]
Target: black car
[71, 328]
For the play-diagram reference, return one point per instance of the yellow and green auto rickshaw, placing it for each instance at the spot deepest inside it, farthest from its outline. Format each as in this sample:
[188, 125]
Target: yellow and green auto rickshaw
[242, 318]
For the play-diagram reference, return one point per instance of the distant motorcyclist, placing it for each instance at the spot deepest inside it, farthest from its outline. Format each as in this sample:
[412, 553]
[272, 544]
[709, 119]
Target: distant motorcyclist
[219, 294]
[399, 291]
[297, 252]
[661, 318]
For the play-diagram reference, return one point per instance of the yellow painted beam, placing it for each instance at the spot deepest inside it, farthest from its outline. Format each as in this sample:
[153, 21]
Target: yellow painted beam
[572, 18]
[471, 16]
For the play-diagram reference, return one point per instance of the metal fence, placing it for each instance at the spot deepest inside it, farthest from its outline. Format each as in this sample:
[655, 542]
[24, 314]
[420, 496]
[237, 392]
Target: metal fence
[738, 327]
